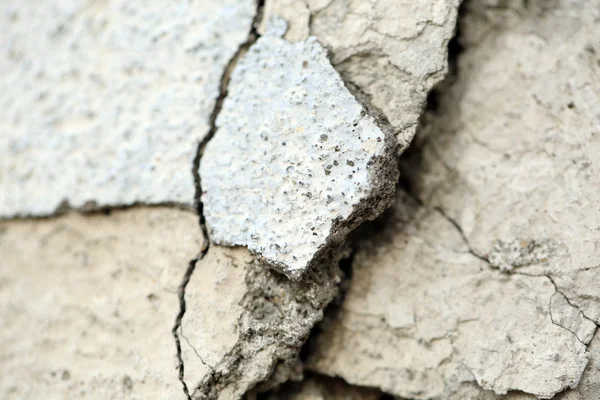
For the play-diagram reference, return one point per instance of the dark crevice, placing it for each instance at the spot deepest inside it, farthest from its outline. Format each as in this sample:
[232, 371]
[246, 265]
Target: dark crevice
[330, 312]
[175, 330]
[332, 387]
[91, 208]
[224, 83]
[455, 49]
[223, 91]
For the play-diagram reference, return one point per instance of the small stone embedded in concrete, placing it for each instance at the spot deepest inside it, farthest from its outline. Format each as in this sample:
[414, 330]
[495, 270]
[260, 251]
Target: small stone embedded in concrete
[295, 162]
[104, 103]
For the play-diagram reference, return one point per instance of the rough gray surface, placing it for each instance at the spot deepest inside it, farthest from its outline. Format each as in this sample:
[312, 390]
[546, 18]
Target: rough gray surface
[87, 304]
[245, 324]
[392, 52]
[424, 317]
[295, 163]
[105, 102]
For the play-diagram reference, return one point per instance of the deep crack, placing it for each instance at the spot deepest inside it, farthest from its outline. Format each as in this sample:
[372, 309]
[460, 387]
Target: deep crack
[224, 83]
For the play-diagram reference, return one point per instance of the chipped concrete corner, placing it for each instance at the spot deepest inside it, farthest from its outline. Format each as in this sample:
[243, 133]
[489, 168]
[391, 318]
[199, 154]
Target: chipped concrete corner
[284, 123]
[249, 333]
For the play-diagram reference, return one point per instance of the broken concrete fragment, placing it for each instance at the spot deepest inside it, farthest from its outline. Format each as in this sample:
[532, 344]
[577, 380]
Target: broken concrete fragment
[424, 317]
[512, 154]
[245, 324]
[392, 52]
[320, 387]
[105, 102]
[295, 163]
[88, 304]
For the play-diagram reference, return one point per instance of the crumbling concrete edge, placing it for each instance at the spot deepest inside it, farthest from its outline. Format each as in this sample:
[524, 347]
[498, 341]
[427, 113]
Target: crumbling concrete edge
[224, 83]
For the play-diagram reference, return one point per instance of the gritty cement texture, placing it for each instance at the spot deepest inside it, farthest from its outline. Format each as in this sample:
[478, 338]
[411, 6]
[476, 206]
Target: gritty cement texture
[423, 316]
[105, 102]
[295, 163]
[88, 304]
[245, 324]
[392, 53]
[512, 155]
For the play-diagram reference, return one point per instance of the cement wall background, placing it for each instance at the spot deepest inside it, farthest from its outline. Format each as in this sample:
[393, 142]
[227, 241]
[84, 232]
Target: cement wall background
[300, 199]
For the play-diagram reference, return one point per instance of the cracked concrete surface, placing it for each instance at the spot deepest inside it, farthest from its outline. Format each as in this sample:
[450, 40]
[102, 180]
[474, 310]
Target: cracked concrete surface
[245, 324]
[295, 155]
[505, 170]
[143, 75]
[391, 52]
[88, 304]
[423, 315]
[480, 284]
[512, 153]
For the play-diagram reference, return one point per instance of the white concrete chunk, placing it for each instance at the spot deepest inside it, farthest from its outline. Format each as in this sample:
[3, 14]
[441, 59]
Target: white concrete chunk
[295, 163]
[103, 103]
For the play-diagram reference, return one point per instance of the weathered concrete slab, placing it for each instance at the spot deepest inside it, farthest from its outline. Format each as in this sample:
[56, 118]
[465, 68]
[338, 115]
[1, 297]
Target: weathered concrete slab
[244, 325]
[424, 317]
[512, 154]
[104, 103]
[392, 52]
[295, 163]
[88, 304]
[509, 157]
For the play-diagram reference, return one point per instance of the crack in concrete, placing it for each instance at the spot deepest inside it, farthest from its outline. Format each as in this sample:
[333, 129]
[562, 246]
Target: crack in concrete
[182, 309]
[195, 351]
[225, 78]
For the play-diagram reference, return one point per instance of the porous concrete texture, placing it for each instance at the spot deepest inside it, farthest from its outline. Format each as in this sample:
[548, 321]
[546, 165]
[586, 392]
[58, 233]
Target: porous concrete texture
[296, 162]
[423, 316]
[88, 304]
[244, 325]
[512, 153]
[105, 102]
[390, 52]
